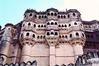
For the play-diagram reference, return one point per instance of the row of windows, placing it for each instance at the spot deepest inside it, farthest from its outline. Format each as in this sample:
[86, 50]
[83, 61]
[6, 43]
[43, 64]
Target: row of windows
[41, 37]
[52, 23]
[65, 36]
[27, 34]
[29, 24]
[51, 14]
[66, 25]
[41, 25]
[52, 33]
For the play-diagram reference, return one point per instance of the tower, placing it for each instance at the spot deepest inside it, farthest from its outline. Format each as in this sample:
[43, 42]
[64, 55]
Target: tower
[52, 34]
[6, 41]
[77, 35]
[27, 35]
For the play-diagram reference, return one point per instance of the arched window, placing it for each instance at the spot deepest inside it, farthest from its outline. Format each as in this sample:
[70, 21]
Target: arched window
[38, 25]
[66, 36]
[75, 23]
[30, 14]
[77, 34]
[34, 25]
[48, 23]
[27, 34]
[42, 16]
[41, 25]
[38, 37]
[35, 16]
[73, 14]
[55, 14]
[52, 14]
[52, 23]
[82, 34]
[55, 23]
[44, 25]
[21, 35]
[56, 33]
[52, 33]
[62, 36]
[41, 36]
[29, 24]
[39, 17]
[68, 16]
[58, 16]
[69, 25]
[48, 13]
[70, 35]
[48, 33]
[59, 25]
[62, 25]
[64, 16]
[33, 36]
[61, 16]
[65, 25]
[45, 16]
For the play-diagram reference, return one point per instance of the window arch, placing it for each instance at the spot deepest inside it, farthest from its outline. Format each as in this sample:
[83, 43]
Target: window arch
[52, 14]
[70, 35]
[48, 23]
[59, 25]
[41, 25]
[55, 14]
[82, 34]
[69, 25]
[52, 23]
[58, 16]
[21, 35]
[65, 25]
[68, 16]
[48, 33]
[27, 34]
[30, 14]
[77, 34]
[74, 14]
[52, 33]
[75, 23]
[65, 36]
[48, 13]
[38, 37]
[56, 33]
[39, 17]
[55, 23]
[34, 25]
[38, 25]
[33, 36]
[29, 24]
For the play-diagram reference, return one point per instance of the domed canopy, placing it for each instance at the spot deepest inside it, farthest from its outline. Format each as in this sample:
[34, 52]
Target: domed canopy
[73, 10]
[52, 9]
[30, 10]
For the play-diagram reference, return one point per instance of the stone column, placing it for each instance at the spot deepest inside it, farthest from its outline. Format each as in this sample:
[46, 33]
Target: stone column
[52, 55]
[26, 50]
[78, 50]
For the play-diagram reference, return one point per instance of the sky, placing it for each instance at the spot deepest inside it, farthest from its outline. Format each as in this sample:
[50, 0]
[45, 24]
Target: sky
[11, 11]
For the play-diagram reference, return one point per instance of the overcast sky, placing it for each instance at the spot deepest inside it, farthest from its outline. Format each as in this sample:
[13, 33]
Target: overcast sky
[11, 11]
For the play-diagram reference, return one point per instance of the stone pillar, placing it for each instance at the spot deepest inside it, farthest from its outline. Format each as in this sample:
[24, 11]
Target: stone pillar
[5, 51]
[26, 50]
[78, 50]
[52, 55]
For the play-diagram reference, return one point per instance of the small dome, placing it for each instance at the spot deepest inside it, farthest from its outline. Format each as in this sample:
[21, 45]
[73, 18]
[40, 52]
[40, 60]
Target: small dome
[52, 9]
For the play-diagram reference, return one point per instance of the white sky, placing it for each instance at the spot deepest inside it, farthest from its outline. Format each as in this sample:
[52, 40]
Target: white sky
[88, 8]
